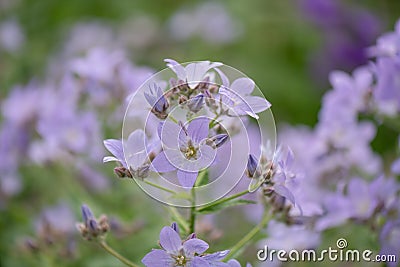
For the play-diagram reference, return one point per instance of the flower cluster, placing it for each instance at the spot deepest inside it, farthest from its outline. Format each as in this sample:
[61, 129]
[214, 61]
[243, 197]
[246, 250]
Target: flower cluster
[345, 180]
[188, 146]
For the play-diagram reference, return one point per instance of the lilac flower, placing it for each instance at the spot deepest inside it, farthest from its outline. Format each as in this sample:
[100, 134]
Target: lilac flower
[193, 73]
[281, 236]
[237, 97]
[99, 65]
[157, 101]
[185, 150]
[209, 21]
[176, 252]
[57, 219]
[390, 240]
[387, 93]
[388, 45]
[134, 156]
[12, 37]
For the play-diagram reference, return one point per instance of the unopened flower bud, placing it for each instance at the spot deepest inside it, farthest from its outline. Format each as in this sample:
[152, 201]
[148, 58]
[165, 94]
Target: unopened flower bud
[174, 226]
[91, 228]
[252, 163]
[157, 101]
[218, 140]
[195, 104]
[122, 172]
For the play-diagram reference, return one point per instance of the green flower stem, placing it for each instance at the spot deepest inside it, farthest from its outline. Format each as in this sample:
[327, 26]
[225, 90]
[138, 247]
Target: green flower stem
[159, 187]
[192, 219]
[250, 235]
[223, 200]
[179, 218]
[110, 250]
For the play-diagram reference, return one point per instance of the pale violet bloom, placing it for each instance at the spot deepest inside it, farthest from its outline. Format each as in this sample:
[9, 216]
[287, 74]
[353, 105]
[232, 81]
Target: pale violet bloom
[237, 97]
[388, 44]
[185, 150]
[133, 155]
[288, 237]
[193, 73]
[176, 252]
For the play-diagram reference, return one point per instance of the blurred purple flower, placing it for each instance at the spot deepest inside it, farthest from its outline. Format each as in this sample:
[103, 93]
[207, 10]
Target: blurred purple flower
[390, 240]
[347, 29]
[388, 45]
[209, 21]
[185, 150]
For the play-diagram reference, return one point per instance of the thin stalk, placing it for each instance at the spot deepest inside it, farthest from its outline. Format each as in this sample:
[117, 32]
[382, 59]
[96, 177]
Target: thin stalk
[110, 250]
[223, 200]
[179, 218]
[192, 219]
[250, 235]
[159, 187]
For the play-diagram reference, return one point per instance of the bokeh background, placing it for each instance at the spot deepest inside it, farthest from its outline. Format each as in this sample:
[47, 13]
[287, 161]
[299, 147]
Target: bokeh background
[288, 47]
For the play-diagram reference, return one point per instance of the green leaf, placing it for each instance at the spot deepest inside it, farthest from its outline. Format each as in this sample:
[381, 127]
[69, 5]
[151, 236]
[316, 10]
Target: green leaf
[202, 178]
[230, 203]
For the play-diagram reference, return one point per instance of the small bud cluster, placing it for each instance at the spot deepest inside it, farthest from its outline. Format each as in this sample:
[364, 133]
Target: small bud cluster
[92, 228]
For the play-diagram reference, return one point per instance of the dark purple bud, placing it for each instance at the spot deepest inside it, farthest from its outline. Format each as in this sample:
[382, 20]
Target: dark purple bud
[192, 236]
[195, 104]
[175, 226]
[87, 214]
[220, 139]
[252, 163]
[157, 101]
[93, 226]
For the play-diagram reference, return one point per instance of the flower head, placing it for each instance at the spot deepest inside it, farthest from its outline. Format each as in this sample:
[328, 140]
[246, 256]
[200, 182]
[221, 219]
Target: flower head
[185, 150]
[192, 74]
[178, 252]
[237, 97]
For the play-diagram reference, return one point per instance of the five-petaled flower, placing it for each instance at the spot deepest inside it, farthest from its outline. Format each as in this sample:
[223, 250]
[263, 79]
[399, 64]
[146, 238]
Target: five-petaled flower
[176, 252]
[185, 150]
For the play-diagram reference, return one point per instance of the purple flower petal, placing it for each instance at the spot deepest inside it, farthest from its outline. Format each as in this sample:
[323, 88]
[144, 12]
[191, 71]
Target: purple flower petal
[243, 86]
[198, 262]
[198, 129]
[161, 164]
[233, 263]
[283, 191]
[170, 240]
[158, 258]
[187, 179]
[136, 142]
[177, 68]
[115, 148]
[170, 134]
[257, 104]
[194, 245]
[217, 256]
